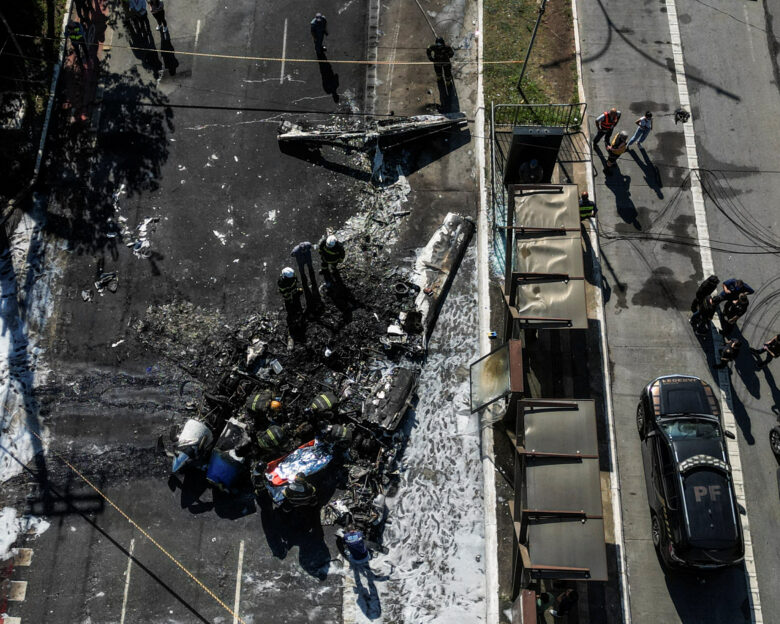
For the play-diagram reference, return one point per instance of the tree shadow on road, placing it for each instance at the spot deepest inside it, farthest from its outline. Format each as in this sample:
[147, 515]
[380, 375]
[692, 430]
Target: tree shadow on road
[90, 174]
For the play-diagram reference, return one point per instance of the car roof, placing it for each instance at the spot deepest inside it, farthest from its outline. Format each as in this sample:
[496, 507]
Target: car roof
[682, 394]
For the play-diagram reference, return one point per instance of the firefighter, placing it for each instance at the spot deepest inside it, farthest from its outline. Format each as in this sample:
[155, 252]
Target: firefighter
[605, 125]
[332, 253]
[78, 39]
[587, 207]
[290, 292]
[300, 493]
[439, 54]
[264, 409]
[271, 442]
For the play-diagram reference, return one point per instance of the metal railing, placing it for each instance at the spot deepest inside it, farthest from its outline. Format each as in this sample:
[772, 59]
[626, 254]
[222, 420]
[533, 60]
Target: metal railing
[567, 116]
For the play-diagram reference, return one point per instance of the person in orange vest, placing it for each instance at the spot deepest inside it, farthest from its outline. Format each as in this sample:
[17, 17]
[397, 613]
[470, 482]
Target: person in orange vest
[605, 124]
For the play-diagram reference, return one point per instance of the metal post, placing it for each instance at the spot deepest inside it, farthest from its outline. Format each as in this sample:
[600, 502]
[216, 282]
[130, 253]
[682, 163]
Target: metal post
[530, 47]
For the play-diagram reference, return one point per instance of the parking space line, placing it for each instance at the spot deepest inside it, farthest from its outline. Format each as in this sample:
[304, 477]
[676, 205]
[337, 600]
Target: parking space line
[284, 55]
[127, 581]
[241, 546]
[195, 45]
[12, 620]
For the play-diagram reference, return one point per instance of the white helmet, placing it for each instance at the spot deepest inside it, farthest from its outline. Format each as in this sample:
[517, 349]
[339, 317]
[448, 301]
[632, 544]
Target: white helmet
[288, 272]
[331, 241]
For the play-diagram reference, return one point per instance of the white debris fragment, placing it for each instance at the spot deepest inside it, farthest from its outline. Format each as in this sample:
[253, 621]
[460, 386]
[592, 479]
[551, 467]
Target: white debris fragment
[213, 157]
[235, 158]
[222, 237]
[11, 526]
[271, 216]
[116, 344]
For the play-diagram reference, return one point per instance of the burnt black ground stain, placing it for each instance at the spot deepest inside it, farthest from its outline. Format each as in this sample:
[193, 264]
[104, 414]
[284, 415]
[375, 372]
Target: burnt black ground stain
[671, 145]
[684, 18]
[641, 106]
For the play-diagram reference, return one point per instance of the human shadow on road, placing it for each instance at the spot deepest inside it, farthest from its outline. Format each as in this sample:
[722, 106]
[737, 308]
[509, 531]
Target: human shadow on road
[448, 98]
[168, 57]
[301, 528]
[367, 593]
[330, 79]
[649, 170]
[620, 185]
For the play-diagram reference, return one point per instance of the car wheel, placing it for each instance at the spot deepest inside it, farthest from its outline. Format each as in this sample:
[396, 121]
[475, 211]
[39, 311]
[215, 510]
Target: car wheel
[640, 421]
[655, 531]
[774, 441]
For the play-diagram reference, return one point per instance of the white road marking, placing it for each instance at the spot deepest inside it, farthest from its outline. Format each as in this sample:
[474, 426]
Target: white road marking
[284, 52]
[749, 28]
[391, 66]
[237, 600]
[127, 581]
[614, 475]
[708, 268]
[483, 297]
[23, 557]
[17, 591]
[195, 45]
[12, 620]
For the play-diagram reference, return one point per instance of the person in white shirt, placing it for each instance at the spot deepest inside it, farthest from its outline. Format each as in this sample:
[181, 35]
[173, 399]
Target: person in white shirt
[644, 125]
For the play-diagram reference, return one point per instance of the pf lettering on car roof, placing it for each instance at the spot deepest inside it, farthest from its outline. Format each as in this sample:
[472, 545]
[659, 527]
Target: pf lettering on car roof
[701, 492]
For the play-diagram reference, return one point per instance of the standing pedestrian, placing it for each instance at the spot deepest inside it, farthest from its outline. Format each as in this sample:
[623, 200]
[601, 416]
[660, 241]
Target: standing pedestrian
[733, 288]
[772, 349]
[605, 124]
[439, 53]
[138, 14]
[644, 126]
[302, 253]
[732, 311]
[615, 150]
[701, 319]
[157, 8]
[78, 39]
[729, 353]
[319, 29]
[706, 288]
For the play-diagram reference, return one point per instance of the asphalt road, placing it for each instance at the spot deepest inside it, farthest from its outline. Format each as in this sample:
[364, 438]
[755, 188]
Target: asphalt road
[198, 150]
[651, 262]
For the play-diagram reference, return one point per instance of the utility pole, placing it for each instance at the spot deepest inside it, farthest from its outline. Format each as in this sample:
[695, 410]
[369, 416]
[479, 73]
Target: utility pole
[530, 47]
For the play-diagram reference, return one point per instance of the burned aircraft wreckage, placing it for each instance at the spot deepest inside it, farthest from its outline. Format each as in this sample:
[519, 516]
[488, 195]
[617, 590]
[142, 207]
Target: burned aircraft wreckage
[325, 397]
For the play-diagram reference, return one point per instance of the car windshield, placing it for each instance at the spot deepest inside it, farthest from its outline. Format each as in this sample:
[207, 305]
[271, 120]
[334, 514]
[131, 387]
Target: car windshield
[686, 429]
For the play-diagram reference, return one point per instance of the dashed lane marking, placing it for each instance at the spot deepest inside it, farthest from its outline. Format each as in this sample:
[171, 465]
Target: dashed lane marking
[284, 54]
[237, 600]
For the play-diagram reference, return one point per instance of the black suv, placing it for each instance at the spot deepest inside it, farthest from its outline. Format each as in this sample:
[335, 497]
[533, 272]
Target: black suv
[693, 507]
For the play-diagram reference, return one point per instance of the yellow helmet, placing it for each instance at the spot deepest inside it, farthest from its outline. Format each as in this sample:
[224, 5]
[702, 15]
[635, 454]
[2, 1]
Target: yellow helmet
[276, 406]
